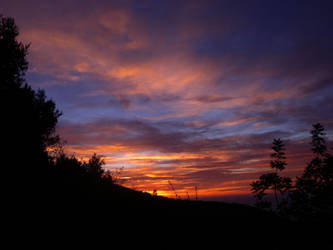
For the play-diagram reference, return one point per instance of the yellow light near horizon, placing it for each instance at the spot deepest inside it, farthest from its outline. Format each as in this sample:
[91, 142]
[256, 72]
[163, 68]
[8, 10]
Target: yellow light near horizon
[150, 175]
[167, 157]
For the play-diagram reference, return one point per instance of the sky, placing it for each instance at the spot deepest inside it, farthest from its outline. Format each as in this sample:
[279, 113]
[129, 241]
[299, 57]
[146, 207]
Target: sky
[183, 93]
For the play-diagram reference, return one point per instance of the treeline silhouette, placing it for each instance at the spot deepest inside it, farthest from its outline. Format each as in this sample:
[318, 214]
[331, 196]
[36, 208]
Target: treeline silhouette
[308, 197]
[34, 166]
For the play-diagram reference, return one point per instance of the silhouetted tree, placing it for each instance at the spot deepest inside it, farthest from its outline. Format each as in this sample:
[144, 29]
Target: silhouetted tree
[28, 120]
[314, 189]
[28, 117]
[311, 197]
[272, 181]
[94, 167]
[13, 63]
[318, 142]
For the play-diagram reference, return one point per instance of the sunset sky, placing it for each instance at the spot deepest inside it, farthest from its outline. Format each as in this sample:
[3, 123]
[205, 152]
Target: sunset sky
[187, 92]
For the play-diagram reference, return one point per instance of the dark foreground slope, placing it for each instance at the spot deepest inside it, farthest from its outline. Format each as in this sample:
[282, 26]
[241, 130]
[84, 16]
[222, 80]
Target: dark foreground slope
[117, 199]
[135, 217]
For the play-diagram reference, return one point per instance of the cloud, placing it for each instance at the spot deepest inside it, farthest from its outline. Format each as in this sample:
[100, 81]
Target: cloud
[192, 92]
